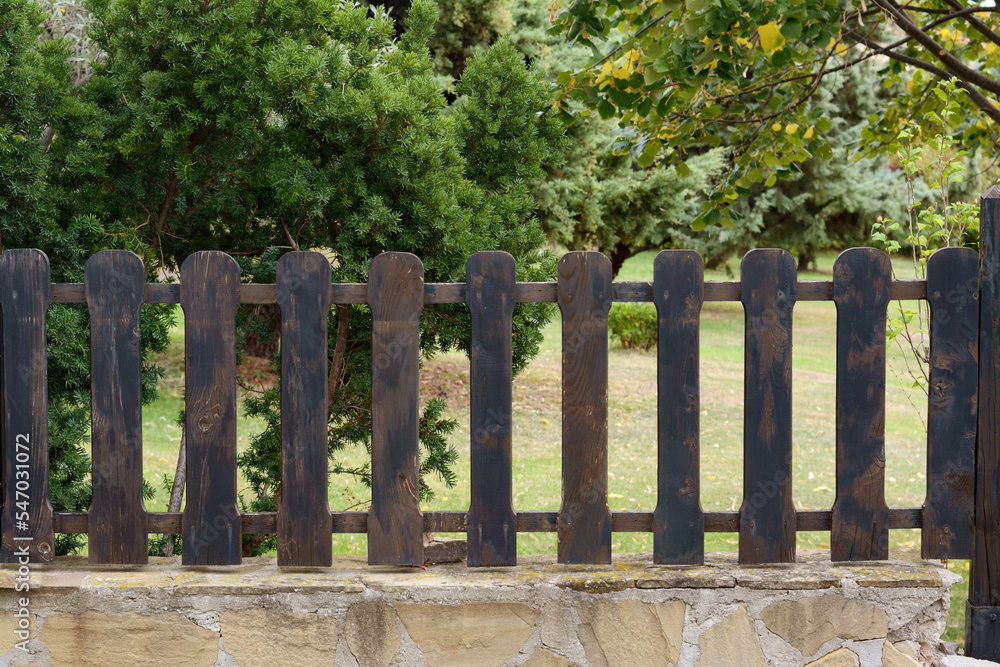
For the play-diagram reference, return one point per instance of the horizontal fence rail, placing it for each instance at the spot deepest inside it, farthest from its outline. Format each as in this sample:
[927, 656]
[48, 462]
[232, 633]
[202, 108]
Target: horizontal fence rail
[767, 522]
[622, 292]
[455, 521]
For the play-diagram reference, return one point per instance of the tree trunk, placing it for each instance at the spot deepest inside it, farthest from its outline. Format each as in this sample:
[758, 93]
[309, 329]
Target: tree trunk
[806, 259]
[177, 491]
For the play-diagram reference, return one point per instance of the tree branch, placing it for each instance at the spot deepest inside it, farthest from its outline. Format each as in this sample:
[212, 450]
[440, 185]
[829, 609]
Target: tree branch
[339, 354]
[957, 68]
[977, 97]
[981, 27]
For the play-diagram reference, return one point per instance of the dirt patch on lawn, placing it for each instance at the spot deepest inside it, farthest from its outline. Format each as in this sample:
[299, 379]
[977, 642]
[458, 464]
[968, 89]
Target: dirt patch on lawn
[536, 389]
[447, 380]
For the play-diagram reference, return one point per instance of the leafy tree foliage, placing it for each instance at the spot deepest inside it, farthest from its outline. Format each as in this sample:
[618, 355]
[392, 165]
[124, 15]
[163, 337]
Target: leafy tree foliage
[257, 126]
[684, 74]
[36, 89]
[595, 200]
[827, 203]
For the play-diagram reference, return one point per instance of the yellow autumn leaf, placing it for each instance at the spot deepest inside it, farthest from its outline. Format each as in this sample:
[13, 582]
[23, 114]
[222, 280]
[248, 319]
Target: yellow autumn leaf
[809, 133]
[771, 38]
[745, 43]
[792, 128]
[990, 47]
[841, 50]
[776, 127]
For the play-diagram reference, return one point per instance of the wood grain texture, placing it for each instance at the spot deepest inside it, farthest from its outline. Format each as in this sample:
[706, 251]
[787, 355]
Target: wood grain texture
[349, 293]
[395, 294]
[678, 521]
[26, 522]
[534, 521]
[949, 508]
[767, 515]
[492, 526]
[114, 280]
[860, 528]
[304, 520]
[982, 639]
[584, 533]
[210, 284]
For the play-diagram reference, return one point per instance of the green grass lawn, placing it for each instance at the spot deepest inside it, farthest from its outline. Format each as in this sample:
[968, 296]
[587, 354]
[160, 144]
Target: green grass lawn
[632, 428]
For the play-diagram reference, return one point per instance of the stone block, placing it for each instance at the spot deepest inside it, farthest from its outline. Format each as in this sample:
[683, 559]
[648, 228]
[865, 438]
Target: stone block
[893, 657]
[686, 577]
[808, 623]
[963, 661]
[444, 551]
[731, 641]
[787, 578]
[93, 639]
[371, 633]
[631, 632]
[552, 627]
[9, 625]
[482, 634]
[842, 657]
[546, 658]
[269, 637]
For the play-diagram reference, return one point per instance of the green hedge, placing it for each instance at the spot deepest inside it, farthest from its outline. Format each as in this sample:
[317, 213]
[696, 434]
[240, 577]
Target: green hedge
[634, 324]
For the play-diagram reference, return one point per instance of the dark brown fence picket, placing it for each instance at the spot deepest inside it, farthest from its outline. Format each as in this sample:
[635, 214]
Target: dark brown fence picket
[114, 283]
[491, 524]
[304, 520]
[26, 525]
[210, 283]
[861, 282]
[678, 521]
[584, 294]
[982, 611]
[767, 515]
[396, 297]
[949, 510]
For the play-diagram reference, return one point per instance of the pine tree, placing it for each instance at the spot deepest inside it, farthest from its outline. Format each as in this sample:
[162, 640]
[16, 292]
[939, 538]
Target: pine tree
[36, 91]
[256, 127]
[591, 198]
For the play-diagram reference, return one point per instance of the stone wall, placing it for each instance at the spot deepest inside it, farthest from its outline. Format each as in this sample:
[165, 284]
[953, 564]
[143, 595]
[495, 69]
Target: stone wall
[539, 614]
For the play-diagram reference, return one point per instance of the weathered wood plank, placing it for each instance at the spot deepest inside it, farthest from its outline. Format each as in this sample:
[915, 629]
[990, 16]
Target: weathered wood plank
[349, 293]
[304, 520]
[264, 523]
[860, 528]
[949, 509]
[26, 522]
[210, 284]
[584, 533]
[492, 526]
[678, 521]
[395, 294]
[767, 515]
[982, 636]
[114, 280]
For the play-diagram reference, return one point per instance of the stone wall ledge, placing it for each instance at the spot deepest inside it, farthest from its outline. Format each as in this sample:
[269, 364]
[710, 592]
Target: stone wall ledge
[350, 574]
[539, 613]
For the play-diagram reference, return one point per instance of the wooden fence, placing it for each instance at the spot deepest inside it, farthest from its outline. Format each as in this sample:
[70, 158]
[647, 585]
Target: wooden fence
[960, 517]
